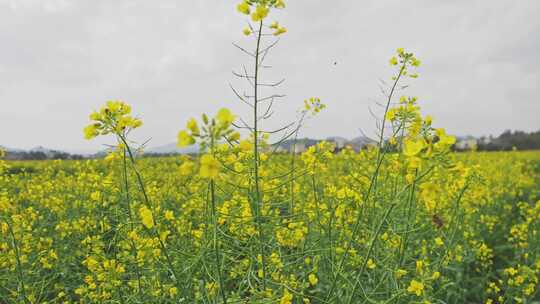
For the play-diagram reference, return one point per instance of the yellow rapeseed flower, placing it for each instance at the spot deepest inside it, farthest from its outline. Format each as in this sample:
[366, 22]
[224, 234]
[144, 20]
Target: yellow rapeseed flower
[209, 166]
[428, 120]
[146, 217]
[280, 30]
[246, 145]
[243, 8]
[260, 13]
[287, 298]
[173, 291]
[90, 131]
[391, 114]
[445, 141]
[371, 264]
[400, 273]
[225, 118]
[416, 287]
[169, 215]
[184, 139]
[413, 147]
[192, 126]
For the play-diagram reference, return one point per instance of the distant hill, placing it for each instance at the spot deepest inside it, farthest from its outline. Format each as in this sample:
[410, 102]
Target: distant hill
[172, 149]
[48, 152]
[287, 145]
[506, 141]
[38, 153]
[302, 144]
[7, 149]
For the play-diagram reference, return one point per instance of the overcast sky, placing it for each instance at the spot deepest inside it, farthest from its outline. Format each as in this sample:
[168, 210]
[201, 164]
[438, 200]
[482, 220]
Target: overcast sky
[172, 59]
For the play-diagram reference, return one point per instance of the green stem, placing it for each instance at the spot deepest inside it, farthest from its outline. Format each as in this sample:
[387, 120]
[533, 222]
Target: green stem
[215, 245]
[410, 200]
[18, 260]
[370, 249]
[454, 224]
[380, 157]
[130, 216]
[150, 206]
[258, 201]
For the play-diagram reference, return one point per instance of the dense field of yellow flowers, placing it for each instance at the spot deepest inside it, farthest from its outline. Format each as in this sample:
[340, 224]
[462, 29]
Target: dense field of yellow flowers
[74, 232]
[404, 221]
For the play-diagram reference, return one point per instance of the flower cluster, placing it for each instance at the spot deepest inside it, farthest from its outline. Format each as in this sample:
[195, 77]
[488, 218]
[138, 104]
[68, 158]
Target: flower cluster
[213, 130]
[404, 61]
[313, 105]
[209, 135]
[113, 118]
[259, 10]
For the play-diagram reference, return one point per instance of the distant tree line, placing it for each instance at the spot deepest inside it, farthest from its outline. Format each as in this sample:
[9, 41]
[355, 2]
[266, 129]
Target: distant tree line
[40, 155]
[509, 140]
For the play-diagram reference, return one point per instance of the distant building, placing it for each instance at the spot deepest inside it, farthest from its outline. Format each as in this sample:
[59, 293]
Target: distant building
[466, 143]
[485, 140]
[339, 142]
[299, 147]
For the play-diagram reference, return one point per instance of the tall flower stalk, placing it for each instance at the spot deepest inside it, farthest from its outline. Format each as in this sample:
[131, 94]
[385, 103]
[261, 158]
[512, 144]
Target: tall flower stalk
[115, 118]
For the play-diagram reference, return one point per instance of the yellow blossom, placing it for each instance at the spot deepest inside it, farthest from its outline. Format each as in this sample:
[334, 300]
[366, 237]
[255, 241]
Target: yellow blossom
[209, 166]
[260, 13]
[243, 8]
[173, 291]
[391, 114]
[287, 298]
[169, 215]
[413, 147]
[280, 30]
[416, 287]
[192, 126]
[225, 118]
[184, 139]
[371, 264]
[400, 273]
[90, 131]
[146, 217]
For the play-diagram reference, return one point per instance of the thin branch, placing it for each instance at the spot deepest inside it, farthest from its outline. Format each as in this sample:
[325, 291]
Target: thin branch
[244, 50]
[275, 84]
[280, 129]
[271, 97]
[240, 97]
[268, 110]
[247, 77]
[241, 75]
